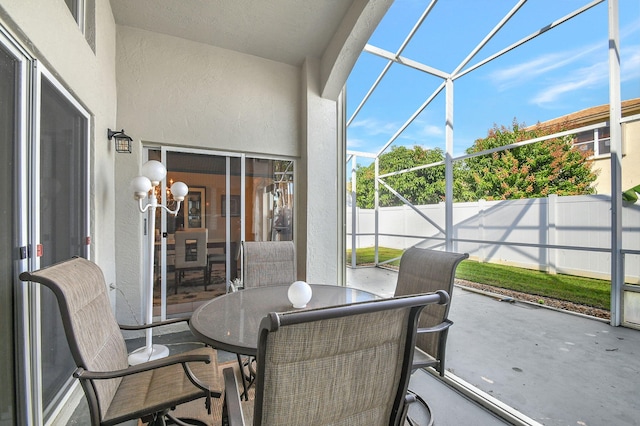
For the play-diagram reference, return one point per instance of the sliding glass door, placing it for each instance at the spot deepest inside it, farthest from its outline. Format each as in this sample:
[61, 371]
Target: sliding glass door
[231, 198]
[12, 143]
[63, 223]
[44, 156]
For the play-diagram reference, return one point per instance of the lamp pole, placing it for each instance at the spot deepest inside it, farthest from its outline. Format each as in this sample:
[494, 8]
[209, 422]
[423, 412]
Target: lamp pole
[153, 172]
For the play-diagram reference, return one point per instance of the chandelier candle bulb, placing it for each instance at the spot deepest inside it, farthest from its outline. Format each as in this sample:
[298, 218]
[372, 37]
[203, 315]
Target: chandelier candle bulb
[299, 294]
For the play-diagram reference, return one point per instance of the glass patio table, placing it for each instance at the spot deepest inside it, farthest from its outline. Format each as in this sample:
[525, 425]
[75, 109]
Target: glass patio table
[230, 322]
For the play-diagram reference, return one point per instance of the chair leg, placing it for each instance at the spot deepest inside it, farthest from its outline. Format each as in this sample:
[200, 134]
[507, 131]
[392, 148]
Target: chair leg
[425, 415]
[205, 278]
[245, 379]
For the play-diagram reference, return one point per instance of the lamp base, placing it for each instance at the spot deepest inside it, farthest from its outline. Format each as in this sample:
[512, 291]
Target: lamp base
[143, 355]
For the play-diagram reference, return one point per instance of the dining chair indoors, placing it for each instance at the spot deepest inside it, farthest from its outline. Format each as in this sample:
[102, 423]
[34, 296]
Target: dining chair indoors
[191, 254]
[310, 365]
[268, 263]
[426, 271]
[115, 391]
[219, 257]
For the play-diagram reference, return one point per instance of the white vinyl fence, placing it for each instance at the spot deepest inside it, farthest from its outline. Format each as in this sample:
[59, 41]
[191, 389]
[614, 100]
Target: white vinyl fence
[569, 235]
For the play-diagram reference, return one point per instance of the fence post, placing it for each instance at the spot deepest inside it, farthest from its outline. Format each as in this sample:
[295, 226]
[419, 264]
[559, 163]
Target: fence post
[354, 211]
[552, 236]
[482, 205]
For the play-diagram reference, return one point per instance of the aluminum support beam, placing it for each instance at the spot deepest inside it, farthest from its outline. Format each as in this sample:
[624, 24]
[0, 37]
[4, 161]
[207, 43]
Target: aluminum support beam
[354, 163]
[448, 168]
[615, 113]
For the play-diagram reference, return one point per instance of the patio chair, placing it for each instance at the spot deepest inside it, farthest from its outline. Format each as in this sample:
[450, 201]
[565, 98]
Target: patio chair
[310, 365]
[117, 392]
[268, 263]
[265, 263]
[426, 271]
[191, 254]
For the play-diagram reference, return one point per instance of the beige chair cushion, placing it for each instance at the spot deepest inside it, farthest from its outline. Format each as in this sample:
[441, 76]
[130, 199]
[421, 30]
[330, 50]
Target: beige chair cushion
[154, 389]
[268, 263]
[346, 370]
[97, 345]
[427, 271]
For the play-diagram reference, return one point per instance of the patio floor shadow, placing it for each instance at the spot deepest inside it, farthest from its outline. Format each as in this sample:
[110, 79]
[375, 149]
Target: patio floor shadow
[553, 367]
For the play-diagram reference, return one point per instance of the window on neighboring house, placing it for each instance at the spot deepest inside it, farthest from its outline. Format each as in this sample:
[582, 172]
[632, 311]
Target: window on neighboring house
[597, 141]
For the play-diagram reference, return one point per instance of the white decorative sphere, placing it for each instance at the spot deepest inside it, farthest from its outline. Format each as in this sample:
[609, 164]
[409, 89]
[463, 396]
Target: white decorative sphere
[179, 190]
[299, 294]
[140, 186]
[155, 171]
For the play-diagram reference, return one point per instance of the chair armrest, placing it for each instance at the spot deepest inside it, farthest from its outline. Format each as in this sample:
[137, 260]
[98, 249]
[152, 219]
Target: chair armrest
[232, 410]
[444, 325]
[439, 358]
[155, 324]
[81, 373]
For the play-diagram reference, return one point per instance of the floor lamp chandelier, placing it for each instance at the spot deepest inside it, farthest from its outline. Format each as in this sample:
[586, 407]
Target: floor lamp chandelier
[153, 172]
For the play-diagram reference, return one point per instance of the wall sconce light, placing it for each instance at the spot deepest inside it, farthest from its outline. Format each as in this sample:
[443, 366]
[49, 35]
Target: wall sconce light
[123, 142]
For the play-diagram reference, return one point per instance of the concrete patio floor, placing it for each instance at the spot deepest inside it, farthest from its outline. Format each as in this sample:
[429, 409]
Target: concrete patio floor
[554, 367]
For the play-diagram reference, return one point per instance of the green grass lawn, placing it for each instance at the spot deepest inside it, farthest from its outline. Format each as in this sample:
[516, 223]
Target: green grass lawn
[584, 291]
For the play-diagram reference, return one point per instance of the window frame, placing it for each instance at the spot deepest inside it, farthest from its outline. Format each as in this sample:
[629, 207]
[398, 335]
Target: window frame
[77, 9]
[580, 140]
[46, 412]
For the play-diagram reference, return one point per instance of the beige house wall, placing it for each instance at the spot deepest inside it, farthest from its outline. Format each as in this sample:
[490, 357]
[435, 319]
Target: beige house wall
[48, 32]
[630, 161]
[630, 142]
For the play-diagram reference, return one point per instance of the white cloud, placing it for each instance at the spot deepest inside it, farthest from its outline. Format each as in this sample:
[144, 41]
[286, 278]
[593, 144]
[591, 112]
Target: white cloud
[353, 143]
[520, 74]
[630, 29]
[432, 130]
[594, 75]
[630, 63]
[582, 78]
[374, 127]
[421, 129]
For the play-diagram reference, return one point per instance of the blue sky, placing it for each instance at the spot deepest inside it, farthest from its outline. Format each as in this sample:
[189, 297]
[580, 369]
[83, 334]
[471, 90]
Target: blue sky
[561, 71]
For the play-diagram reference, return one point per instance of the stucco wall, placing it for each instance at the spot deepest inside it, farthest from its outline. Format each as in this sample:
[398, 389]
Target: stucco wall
[174, 91]
[47, 30]
[177, 92]
[321, 177]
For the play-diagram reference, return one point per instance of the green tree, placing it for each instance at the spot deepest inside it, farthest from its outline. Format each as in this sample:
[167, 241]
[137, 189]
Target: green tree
[424, 186]
[553, 166]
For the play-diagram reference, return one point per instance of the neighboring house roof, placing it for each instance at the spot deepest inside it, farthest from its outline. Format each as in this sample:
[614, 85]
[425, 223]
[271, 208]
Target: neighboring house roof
[592, 115]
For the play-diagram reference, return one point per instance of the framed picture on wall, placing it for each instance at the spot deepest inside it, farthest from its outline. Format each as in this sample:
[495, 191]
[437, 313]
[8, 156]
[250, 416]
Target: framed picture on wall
[194, 205]
[234, 205]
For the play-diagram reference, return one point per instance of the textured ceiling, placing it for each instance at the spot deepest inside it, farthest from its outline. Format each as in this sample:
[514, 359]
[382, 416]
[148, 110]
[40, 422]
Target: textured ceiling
[281, 30]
